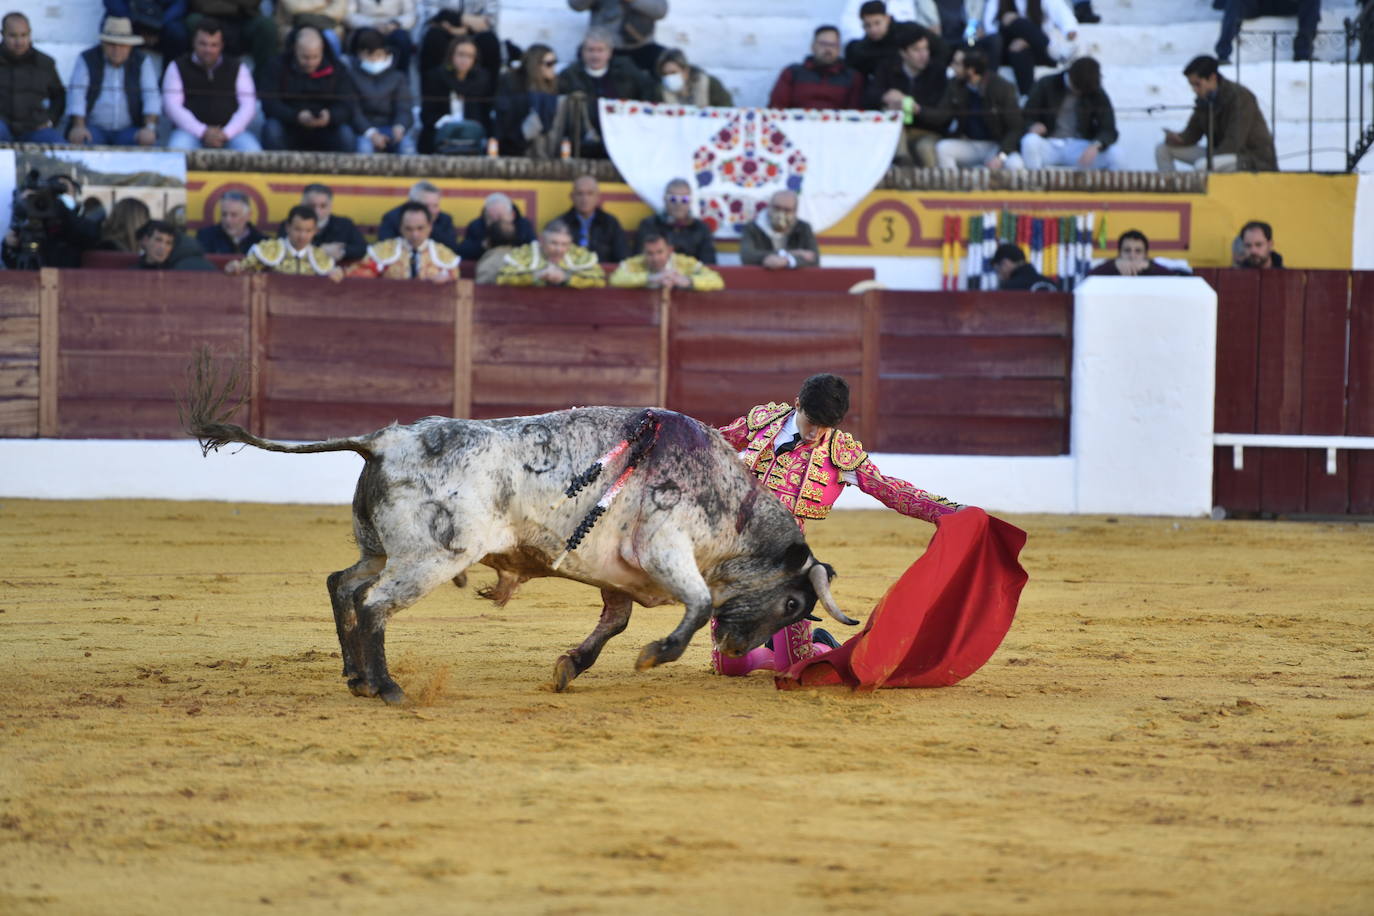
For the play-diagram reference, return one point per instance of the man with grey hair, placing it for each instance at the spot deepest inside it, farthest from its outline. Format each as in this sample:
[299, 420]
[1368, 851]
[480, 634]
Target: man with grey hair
[442, 229]
[596, 75]
[553, 260]
[500, 225]
[776, 239]
[334, 233]
[235, 232]
[687, 234]
[631, 25]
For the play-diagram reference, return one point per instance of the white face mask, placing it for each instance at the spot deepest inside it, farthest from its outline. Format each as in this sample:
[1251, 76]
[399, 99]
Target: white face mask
[68, 201]
[673, 82]
[597, 74]
[375, 66]
[949, 73]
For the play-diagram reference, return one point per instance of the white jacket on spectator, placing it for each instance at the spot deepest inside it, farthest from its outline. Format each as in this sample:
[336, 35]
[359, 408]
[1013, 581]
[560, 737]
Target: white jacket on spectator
[488, 8]
[368, 14]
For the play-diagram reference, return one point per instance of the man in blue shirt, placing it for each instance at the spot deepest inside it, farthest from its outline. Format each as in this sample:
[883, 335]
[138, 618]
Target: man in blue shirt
[592, 227]
[113, 97]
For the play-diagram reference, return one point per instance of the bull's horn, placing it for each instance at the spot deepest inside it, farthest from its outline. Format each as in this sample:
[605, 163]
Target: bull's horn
[820, 579]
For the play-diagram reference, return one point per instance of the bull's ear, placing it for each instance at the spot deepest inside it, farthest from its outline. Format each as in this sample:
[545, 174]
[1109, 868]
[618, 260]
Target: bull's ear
[795, 556]
[829, 571]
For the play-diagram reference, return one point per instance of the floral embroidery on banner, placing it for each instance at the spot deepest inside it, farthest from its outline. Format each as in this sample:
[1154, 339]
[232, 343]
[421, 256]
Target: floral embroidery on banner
[750, 153]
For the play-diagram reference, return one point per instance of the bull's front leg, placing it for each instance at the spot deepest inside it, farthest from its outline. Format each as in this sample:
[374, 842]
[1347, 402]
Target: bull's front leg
[615, 616]
[678, 573]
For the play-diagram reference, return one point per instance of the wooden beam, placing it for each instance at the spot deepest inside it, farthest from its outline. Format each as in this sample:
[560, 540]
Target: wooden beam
[868, 392]
[48, 330]
[665, 317]
[462, 348]
[257, 352]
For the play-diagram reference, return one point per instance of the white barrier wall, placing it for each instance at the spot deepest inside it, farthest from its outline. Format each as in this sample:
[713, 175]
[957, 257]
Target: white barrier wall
[1141, 439]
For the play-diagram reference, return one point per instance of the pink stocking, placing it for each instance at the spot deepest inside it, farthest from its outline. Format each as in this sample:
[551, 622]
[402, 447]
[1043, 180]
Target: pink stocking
[754, 659]
[793, 643]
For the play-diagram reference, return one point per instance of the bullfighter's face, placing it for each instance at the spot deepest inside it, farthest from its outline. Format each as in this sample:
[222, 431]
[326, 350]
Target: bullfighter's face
[415, 228]
[299, 233]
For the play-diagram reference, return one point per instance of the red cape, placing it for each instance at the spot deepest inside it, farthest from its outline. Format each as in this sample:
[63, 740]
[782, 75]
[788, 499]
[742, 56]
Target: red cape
[941, 621]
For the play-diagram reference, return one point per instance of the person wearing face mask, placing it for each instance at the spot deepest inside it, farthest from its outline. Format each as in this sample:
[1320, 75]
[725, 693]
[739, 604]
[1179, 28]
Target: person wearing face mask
[594, 76]
[1228, 115]
[382, 117]
[394, 19]
[307, 98]
[681, 84]
[776, 239]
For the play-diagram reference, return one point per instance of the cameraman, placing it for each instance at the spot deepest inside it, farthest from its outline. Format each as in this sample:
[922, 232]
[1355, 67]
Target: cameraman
[47, 229]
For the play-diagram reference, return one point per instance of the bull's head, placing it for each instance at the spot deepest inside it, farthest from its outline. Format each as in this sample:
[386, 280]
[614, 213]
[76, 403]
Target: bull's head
[747, 620]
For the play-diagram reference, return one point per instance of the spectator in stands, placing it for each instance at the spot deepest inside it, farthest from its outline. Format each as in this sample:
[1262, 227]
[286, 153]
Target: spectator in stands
[1014, 272]
[820, 81]
[1257, 246]
[989, 126]
[247, 33]
[337, 235]
[119, 232]
[452, 18]
[553, 260]
[209, 98]
[1228, 115]
[912, 84]
[630, 23]
[500, 225]
[1133, 259]
[660, 266]
[235, 232]
[1015, 35]
[325, 16]
[114, 98]
[684, 232]
[592, 227]
[777, 239]
[456, 113]
[883, 39]
[596, 75]
[292, 253]
[682, 84]
[1309, 13]
[162, 247]
[442, 229]
[1071, 120]
[32, 99]
[413, 255]
[382, 118]
[160, 23]
[529, 112]
[307, 98]
[392, 18]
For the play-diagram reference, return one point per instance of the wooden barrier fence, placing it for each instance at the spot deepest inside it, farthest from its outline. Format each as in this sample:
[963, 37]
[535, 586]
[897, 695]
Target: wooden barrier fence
[100, 353]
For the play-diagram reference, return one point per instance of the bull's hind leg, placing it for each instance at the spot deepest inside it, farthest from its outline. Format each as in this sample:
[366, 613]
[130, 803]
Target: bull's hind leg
[615, 616]
[342, 585]
[401, 583]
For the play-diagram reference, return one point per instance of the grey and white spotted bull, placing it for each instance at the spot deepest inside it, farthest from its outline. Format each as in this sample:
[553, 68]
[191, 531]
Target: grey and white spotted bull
[689, 524]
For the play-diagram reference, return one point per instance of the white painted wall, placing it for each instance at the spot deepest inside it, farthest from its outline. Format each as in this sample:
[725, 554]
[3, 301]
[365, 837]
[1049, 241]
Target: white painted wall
[1142, 399]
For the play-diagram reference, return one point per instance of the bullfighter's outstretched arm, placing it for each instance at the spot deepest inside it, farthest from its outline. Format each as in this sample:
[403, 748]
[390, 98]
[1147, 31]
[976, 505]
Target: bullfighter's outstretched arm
[897, 494]
[736, 433]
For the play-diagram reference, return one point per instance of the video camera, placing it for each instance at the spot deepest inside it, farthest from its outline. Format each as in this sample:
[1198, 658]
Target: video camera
[37, 215]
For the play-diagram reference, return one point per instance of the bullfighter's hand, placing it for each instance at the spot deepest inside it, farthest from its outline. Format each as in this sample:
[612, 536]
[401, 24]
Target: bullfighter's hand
[554, 274]
[334, 249]
[336, 275]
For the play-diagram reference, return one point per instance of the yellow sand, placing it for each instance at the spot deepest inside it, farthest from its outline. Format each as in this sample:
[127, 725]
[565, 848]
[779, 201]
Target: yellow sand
[1181, 720]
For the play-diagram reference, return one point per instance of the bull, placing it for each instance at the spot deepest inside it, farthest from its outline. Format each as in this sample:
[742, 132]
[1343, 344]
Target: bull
[647, 505]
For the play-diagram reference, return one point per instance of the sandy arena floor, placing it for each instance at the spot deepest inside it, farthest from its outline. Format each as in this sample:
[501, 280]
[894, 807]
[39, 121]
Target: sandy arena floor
[1181, 721]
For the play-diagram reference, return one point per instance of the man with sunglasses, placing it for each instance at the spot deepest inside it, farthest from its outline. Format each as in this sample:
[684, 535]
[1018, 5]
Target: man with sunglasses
[687, 234]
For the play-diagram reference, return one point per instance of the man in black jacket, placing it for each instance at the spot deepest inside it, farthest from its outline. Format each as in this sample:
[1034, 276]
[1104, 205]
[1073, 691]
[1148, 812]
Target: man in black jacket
[336, 234]
[912, 83]
[989, 128]
[592, 227]
[883, 38]
[235, 232]
[161, 247]
[687, 234]
[32, 99]
[307, 98]
[499, 226]
[1014, 272]
[594, 76]
[1071, 120]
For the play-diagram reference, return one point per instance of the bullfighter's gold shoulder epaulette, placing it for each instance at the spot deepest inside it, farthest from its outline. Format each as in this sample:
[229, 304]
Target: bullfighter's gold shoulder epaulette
[763, 414]
[846, 452]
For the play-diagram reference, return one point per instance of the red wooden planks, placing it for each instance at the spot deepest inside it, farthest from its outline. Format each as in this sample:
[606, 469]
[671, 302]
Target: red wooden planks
[943, 435]
[1283, 478]
[1238, 322]
[288, 419]
[1324, 352]
[18, 293]
[781, 352]
[357, 343]
[557, 344]
[1360, 390]
[534, 306]
[1279, 401]
[557, 387]
[840, 315]
[324, 381]
[1000, 313]
[975, 357]
[974, 397]
[363, 299]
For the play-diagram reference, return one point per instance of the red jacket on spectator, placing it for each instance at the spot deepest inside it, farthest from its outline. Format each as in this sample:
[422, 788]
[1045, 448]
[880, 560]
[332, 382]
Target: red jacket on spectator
[811, 85]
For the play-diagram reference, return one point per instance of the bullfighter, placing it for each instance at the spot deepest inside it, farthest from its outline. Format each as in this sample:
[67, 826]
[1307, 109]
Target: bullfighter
[802, 456]
[413, 255]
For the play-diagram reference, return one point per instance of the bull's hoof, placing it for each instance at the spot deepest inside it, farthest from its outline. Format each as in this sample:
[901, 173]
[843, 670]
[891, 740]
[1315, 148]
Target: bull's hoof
[358, 687]
[563, 673]
[461, 580]
[655, 653]
[392, 694]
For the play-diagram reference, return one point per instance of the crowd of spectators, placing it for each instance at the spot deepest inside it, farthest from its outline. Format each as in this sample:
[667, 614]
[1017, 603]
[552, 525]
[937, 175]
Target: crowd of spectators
[338, 75]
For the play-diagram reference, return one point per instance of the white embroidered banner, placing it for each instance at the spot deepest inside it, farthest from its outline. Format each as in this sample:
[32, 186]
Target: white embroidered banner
[736, 158]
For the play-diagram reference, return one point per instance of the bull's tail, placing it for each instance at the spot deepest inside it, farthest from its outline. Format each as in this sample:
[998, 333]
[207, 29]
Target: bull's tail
[210, 400]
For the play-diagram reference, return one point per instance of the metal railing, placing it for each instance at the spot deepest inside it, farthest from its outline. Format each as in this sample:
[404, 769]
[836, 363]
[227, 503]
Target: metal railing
[1354, 44]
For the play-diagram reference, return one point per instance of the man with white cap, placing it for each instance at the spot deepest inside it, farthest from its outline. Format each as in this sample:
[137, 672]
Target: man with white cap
[113, 97]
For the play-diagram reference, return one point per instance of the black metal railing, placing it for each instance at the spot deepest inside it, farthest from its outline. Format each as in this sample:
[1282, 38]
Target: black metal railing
[1353, 46]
